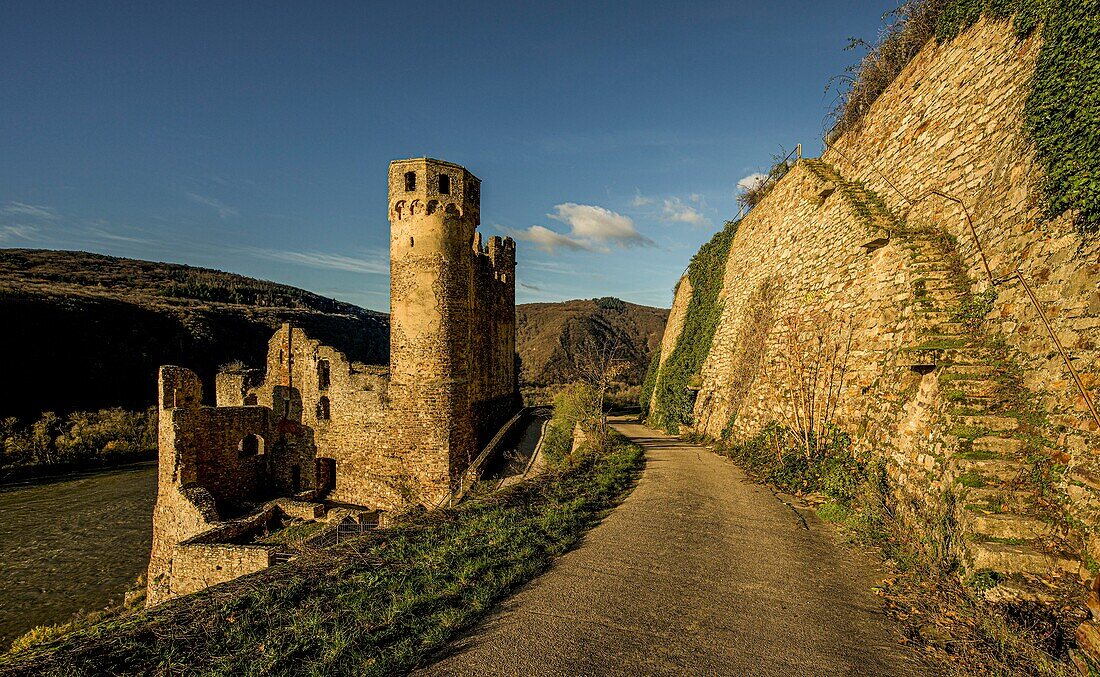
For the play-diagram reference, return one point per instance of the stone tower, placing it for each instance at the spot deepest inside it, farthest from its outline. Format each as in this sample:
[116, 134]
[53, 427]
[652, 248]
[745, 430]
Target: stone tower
[434, 214]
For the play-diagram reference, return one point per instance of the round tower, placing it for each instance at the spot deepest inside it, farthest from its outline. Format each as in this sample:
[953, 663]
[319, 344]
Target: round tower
[434, 213]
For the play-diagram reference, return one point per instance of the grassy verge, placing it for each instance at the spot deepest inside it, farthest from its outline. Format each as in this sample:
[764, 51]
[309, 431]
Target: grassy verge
[937, 610]
[378, 605]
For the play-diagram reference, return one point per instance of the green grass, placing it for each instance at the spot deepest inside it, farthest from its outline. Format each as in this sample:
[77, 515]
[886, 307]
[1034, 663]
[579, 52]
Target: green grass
[378, 605]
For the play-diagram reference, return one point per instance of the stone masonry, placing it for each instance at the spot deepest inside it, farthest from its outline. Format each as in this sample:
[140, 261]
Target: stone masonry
[314, 426]
[859, 236]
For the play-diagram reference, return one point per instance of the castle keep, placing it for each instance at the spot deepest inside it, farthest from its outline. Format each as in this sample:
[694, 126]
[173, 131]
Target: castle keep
[312, 431]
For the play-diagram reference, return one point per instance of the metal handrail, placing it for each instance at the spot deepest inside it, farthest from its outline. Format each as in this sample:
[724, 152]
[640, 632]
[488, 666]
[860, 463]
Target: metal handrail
[969, 222]
[796, 150]
[994, 282]
[1050, 330]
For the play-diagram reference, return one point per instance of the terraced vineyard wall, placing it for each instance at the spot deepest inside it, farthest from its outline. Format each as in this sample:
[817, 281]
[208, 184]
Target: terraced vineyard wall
[958, 396]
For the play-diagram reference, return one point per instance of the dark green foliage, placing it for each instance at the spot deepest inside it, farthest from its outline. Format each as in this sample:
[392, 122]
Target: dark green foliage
[974, 307]
[377, 605]
[674, 400]
[1062, 111]
[610, 303]
[82, 439]
[649, 383]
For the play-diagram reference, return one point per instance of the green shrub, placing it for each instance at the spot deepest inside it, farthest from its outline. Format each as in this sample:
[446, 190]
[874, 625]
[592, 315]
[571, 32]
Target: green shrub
[1062, 110]
[706, 271]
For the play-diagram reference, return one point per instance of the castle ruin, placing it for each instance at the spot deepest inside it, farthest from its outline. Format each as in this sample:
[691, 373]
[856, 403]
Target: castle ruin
[313, 431]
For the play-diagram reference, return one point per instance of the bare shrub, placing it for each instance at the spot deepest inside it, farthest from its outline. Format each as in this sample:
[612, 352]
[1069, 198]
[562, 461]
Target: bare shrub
[812, 369]
[908, 29]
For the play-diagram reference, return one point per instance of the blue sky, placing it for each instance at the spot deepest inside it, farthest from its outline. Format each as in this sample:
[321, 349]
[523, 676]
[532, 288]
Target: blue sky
[254, 137]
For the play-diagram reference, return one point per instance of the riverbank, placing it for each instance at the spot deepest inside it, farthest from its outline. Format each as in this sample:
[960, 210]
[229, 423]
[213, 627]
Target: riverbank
[72, 543]
[379, 604]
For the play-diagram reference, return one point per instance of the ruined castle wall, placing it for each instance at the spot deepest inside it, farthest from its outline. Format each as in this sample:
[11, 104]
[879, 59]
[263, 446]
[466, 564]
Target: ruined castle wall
[213, 452]
[197, 566]
[673, 327]
[952, 121]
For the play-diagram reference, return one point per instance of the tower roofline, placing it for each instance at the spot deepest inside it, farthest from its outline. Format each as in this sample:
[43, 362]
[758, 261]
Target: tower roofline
[434, 161]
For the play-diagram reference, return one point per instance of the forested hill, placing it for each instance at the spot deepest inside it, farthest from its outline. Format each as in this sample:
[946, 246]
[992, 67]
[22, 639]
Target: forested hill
[552, 337]
[85, 331]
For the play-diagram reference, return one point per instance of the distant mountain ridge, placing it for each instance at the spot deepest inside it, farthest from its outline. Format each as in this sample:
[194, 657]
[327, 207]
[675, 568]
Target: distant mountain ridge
[551, 337]
[87, 331]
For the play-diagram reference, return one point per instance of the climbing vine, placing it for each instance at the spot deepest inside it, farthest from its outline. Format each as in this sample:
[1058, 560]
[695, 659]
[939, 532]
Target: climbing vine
[649, 383]
[674, 401]
[1062, 110]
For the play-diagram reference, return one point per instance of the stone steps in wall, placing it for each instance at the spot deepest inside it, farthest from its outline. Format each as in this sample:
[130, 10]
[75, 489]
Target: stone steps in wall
[972, 387]
[970, 370]
[1020, 589]
[988, 422]
[992, 470]
[1000, 500]
[1019, 558]
[995, 444]
[1007, 526]
[951, 327]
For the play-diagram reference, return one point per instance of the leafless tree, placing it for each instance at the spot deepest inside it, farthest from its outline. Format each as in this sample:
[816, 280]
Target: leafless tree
[812, 370]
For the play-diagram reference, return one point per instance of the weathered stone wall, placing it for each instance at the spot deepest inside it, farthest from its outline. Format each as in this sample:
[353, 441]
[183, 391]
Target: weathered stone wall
[197, 566]
[673, 327]
[952, 121]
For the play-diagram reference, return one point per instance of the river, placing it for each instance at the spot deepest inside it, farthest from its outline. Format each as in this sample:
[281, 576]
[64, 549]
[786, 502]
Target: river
[71, 544]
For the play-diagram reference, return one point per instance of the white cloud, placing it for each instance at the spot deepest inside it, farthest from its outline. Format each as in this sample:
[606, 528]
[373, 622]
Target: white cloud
[591, 228]
[591, 222]
[376, 264]
[224, 210]
[676, 210]
[550, 241]
[11, 233]
[640, 200]
[751, 182]
[35, 211]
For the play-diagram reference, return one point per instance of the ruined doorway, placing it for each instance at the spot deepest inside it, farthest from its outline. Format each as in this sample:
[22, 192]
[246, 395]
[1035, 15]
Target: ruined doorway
[326, 474]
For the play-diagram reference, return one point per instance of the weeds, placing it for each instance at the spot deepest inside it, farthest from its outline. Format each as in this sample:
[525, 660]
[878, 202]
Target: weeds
[377, 605]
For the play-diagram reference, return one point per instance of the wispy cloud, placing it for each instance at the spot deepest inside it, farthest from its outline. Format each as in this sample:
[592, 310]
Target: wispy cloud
[551, 241]
[115, 237]
[374, 264]
[33, 211]
[19, 232]
[224, 211]
[640, 200]
[530, 286]
[676, 210]
[751, 182]
[591, 228]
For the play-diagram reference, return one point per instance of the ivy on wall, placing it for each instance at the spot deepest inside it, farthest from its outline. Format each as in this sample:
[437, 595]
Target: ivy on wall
[1062, 111]
[674, 402]
[649, 383]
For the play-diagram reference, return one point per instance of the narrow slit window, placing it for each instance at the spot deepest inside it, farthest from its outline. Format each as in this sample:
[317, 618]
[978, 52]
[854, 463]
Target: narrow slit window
[410, 181]
[444, 184]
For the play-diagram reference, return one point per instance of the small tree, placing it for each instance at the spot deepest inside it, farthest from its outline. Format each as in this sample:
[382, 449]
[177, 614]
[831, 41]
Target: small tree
[812, 370]
[600, 363]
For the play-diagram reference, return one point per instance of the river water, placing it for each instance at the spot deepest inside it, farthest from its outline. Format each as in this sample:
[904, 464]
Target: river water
[72, 544]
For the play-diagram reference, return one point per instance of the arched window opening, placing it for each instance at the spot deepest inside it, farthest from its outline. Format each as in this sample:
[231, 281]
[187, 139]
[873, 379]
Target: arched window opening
[250, 400]
[410, 181]
[444, 184]
[411, 242]
[323, 374]
[250, 445]
[323, 409]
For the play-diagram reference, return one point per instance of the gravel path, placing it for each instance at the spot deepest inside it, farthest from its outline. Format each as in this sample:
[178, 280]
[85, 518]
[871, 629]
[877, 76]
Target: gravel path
[700, 571]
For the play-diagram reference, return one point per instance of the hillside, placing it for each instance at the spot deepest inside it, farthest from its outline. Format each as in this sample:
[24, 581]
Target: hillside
[551, 336]
[87, 331]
